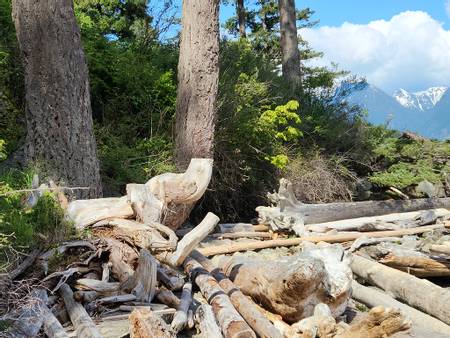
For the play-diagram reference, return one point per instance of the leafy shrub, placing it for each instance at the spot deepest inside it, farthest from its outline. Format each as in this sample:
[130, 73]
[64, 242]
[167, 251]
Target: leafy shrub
[23, 228]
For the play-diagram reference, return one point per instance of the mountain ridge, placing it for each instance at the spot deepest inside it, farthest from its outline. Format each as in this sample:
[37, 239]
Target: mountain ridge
[424, 112]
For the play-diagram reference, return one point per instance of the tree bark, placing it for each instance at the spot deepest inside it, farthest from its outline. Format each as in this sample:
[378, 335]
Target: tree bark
[240, 9]
[198, 74]
[58, 110]
[289, 43]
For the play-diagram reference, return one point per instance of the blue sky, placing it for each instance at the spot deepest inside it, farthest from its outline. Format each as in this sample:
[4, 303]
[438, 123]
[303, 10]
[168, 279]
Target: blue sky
[393, 43]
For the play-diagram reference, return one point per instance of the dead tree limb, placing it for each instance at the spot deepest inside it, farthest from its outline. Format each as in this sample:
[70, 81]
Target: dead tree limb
[180, 318]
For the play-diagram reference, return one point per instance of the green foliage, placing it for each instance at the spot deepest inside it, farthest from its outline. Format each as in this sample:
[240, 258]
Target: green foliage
[2, 150]
[24, 228]
[407, 162]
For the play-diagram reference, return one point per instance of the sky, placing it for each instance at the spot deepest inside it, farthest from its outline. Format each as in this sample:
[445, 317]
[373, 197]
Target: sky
[392, 43]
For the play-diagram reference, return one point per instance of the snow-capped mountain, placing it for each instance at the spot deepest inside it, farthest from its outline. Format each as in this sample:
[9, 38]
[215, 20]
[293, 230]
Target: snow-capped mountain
[426, 112]
[423, 100]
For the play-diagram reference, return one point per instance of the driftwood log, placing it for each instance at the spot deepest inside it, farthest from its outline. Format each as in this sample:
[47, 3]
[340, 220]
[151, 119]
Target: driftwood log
[230, 321]
[83, 324]
[207, 322]
[339, 238]
[292, 286]
[405, 287]
[180, 318]
[166, 199]
[290, 214]
[375, 297]
[146, 324]
[248, 309]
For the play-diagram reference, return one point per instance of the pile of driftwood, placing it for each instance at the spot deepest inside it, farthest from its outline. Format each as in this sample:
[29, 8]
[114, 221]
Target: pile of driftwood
[139, 273]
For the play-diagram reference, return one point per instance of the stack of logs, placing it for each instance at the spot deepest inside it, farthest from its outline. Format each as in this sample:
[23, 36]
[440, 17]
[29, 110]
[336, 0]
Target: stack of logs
[139, 273]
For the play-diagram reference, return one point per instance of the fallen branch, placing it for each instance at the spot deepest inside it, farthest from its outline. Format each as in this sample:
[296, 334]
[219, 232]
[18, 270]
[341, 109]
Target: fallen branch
[207, 321]
[180, 318]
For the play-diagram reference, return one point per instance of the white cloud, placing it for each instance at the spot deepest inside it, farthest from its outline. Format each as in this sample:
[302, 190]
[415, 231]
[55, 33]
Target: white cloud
[411, 50]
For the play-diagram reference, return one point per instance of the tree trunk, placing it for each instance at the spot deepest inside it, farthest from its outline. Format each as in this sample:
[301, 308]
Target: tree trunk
[289, 43]
[58, 111]
[198, 74]
[240, 9]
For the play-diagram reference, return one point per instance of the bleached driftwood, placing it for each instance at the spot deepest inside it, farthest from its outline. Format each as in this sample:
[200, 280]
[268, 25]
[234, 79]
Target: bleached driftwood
[339, 238]
[230, 321]
[290, 214]
[166, 199]
[143, 282]
[405, 287]
[374, 297]
[382, 222]
[207, 321]
[121, 258]
[87, 212]
[180, 318]
[248, 309]
[179, 192]
[83, 324]
[145, 324]
[167, 297]
[291, 286]
[103, 288]
[191, 240]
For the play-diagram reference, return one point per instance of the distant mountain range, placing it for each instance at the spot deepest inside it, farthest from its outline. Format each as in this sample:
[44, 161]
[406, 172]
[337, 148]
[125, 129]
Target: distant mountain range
[426, 112]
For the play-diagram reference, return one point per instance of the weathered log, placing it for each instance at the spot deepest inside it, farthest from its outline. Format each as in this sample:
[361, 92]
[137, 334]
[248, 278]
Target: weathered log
[418, 266]
[105, 272]
[207, 321]
[191, 240]
[167, 297]
[85, 296]
[374, 297]
[121, 259]
[230, 321]
[248, 309]
[180, 318]
[145, 324]
[52, 327]
[100, 287]
[292, 214]
[83, 324]
[292, 285]
[440, 248]
[405, 287]
[384, 222]
[143, 282]
[25, 264]
[86, 212]
[224, 249]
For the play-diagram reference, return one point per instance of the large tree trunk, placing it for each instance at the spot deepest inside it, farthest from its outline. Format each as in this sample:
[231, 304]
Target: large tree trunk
[58, 111]
[240, 9]
[198, 74]
[289, 43]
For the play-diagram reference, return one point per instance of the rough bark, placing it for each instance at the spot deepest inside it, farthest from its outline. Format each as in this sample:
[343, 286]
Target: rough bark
[58, 109]
[240, 10]
[289, 43]
[198, 74]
